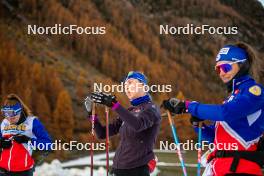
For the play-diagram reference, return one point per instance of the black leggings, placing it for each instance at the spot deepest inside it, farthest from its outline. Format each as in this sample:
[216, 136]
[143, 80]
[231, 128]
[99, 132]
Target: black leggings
[23, 173]
[138, 171]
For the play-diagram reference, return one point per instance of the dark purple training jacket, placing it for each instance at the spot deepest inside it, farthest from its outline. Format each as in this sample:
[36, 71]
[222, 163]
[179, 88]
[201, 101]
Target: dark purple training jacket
[138, 127]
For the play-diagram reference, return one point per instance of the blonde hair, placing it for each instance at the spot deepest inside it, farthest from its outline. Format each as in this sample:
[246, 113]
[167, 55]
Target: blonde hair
[13, 99]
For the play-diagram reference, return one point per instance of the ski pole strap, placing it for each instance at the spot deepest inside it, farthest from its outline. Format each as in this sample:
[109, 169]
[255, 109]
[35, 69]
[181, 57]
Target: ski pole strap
[254, 156]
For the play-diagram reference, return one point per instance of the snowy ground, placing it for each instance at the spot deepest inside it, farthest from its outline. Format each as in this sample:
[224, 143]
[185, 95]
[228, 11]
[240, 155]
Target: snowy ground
[56, 168]
[167, 166]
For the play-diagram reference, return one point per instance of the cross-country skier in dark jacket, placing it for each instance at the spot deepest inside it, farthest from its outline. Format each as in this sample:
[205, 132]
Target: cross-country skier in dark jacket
[138, 127]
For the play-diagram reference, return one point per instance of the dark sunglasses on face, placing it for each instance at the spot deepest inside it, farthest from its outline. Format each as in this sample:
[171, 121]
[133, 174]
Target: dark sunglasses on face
[226, 67]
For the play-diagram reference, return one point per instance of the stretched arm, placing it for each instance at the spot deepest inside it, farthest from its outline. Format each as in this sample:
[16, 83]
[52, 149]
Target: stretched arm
[237, 108]
[146, 119]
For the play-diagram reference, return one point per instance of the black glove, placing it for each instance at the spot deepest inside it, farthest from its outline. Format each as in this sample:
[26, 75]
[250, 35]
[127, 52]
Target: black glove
[174, 105]
[195, 121]
[5, 143]
[104, 99]
[21, 139]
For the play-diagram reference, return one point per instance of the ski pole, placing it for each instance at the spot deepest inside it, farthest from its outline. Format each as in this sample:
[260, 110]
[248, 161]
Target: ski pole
[199, 149]
[176, 140]
[107, 139]
[93, 138]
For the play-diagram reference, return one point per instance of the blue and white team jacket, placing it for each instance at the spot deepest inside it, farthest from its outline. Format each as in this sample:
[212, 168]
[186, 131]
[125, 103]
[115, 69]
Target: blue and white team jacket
[241, 115]
[19, 156]
[239, 124]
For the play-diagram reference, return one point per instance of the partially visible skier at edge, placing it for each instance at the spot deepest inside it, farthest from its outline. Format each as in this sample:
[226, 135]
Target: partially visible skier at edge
[138, 127]
[18, 128]
[239, 120]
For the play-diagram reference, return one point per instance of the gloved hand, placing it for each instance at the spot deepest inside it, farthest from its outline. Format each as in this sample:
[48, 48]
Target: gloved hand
[104, 99]
[195, 121]
[21, 139]
[5, 143]
[88, 102]
[174, 105]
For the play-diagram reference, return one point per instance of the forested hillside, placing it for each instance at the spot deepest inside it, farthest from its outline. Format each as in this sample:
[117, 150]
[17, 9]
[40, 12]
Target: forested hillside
[54, 73]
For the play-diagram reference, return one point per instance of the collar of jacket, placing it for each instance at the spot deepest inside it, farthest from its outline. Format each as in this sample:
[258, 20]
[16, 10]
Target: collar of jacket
[140, 100]
[237, 83]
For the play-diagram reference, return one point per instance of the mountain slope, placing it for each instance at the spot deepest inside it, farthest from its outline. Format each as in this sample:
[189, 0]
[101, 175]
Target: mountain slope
[132, 42]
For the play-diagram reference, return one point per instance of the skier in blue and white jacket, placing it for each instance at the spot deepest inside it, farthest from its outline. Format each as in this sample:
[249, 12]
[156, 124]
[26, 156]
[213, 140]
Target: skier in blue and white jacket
[239, 120]
[18, 129]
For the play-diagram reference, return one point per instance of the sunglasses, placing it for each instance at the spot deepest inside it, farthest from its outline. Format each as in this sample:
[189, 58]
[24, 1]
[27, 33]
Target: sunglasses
[11, 111]
[227, 67]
